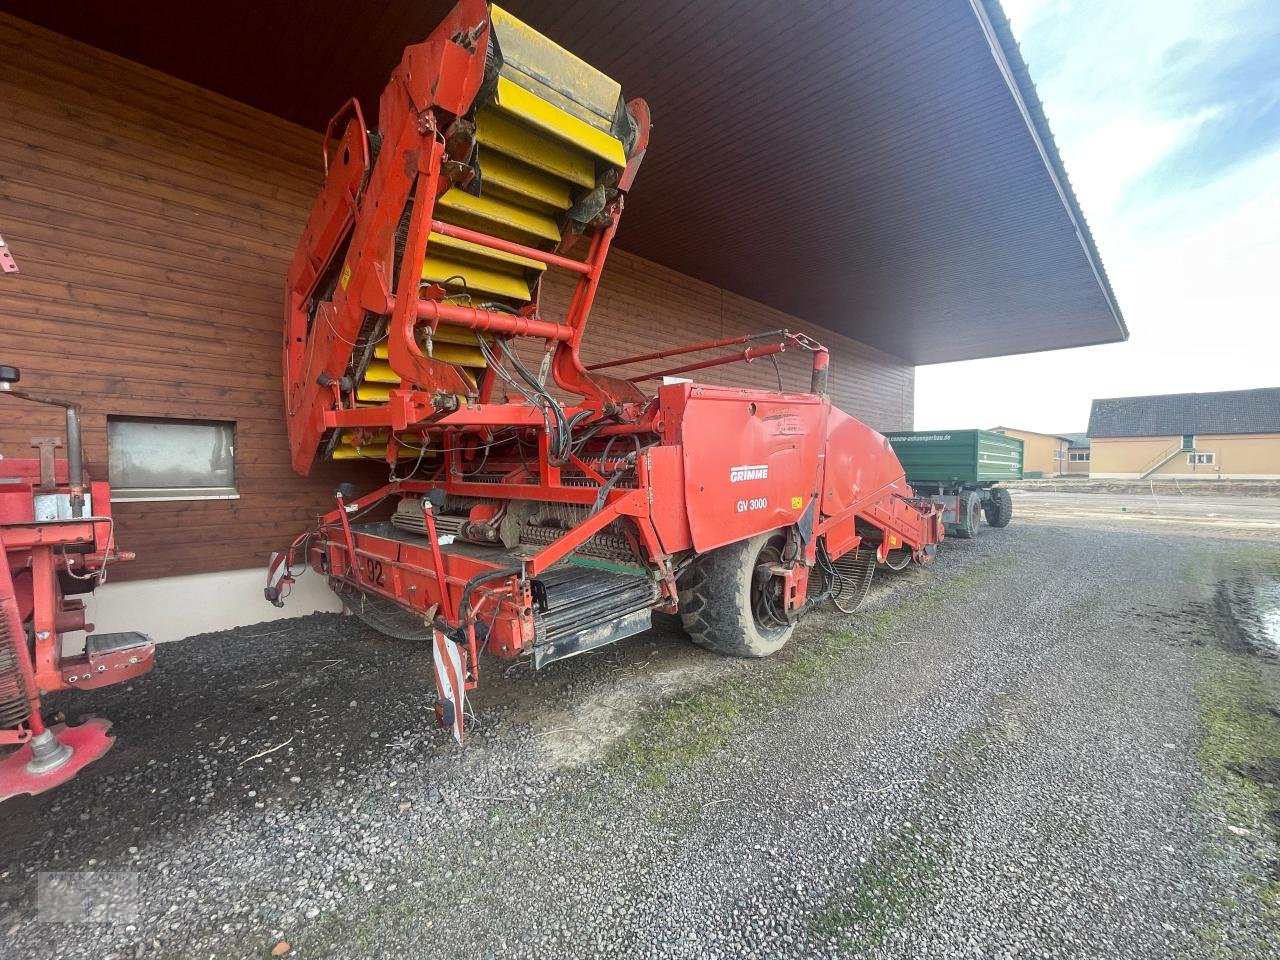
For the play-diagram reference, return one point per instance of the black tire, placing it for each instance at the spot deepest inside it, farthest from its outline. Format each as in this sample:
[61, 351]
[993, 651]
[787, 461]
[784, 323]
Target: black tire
[720, 598]
[967, 528]
[999, 508]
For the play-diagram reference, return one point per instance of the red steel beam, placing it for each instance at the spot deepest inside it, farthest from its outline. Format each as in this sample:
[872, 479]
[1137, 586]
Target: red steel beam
[508, 246]
[747, 355]
[676, 351]
[506, 323]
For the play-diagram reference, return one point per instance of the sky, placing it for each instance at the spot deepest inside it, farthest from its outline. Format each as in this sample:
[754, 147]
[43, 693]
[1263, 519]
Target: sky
[1167, 116]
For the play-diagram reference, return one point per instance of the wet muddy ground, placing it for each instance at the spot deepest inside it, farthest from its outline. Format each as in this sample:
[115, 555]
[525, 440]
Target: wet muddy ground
[1247, 611]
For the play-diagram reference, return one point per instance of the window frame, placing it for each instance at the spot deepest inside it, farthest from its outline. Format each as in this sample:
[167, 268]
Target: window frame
[123, 493]
[1205, 458]
[1077, 456]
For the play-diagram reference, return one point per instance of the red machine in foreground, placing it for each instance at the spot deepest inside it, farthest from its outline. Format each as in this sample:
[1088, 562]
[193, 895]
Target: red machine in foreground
[58, 538]
[526, 515]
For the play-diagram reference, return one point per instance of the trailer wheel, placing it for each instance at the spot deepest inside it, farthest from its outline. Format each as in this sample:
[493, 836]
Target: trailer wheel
[999, 509]
[726, 598]
[967, 526]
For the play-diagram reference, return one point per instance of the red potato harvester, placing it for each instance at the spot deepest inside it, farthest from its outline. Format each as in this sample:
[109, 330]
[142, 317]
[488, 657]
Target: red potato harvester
[58, 538]
[525, 522]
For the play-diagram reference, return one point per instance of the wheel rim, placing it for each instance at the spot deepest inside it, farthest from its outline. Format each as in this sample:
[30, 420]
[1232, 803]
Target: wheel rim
[768, 605]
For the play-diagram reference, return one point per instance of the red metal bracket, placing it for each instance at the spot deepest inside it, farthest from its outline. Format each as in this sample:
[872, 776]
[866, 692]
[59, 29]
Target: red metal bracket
[7, 263]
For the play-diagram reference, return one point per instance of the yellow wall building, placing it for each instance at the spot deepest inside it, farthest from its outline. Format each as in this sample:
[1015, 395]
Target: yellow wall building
[1050, 454]
[1079, 454]
[1230, 435]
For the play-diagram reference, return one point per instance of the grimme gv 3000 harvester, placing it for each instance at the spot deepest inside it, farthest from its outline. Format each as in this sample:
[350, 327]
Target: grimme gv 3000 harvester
[545, 507]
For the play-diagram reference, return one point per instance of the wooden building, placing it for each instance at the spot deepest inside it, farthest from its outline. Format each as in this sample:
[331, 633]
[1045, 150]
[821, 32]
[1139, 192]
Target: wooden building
[156, 179]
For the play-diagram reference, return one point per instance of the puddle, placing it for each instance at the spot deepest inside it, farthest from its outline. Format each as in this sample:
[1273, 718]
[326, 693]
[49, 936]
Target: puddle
[1247, 614]
[1270, 616]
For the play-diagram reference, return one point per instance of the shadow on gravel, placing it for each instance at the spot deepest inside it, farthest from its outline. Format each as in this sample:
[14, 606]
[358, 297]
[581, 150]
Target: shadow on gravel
[308, 691]
[244, 726]
[228, 720]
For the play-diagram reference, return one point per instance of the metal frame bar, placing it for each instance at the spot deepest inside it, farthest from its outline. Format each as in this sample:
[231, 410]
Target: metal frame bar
[747, 356]
[693, 348]
[510, 246]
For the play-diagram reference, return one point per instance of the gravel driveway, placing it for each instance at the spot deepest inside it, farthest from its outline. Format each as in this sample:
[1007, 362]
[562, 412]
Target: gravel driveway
[1252, 517]
[1055, 742]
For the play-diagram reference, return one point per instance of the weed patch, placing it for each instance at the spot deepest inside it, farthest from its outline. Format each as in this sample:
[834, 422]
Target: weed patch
[896, 884]
[1240, 748]
[676, 733]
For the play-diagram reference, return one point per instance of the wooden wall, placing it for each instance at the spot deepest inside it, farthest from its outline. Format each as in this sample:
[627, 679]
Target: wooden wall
[153, 222]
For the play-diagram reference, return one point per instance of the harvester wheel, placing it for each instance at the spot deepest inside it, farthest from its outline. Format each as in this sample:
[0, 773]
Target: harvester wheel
[999, 509]
[731, 604]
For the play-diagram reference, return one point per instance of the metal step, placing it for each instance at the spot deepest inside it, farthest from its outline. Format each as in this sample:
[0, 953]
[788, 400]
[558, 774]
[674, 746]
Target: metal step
[98, 644]
[588, 608]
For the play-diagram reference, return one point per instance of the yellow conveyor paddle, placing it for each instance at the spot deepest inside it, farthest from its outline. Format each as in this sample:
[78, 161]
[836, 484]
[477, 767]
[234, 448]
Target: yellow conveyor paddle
[545, 137]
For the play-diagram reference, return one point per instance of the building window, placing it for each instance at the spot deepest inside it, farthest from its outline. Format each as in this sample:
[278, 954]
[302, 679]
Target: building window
[1058, 454]
[1196, 459]
[1079, 456]
[1188, 441]
[158, 459]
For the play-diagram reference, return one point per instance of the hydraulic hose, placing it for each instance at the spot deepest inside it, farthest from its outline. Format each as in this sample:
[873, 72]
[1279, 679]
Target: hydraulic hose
[465, 606]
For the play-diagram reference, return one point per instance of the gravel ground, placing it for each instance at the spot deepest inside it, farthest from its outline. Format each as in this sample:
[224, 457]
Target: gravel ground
[1052, 743]
[1252, 517]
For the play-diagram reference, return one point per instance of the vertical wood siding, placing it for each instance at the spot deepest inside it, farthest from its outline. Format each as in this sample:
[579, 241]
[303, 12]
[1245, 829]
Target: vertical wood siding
[153, 223]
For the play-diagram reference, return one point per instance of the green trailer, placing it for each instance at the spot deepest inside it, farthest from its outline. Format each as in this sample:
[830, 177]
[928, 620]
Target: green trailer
[959, 469]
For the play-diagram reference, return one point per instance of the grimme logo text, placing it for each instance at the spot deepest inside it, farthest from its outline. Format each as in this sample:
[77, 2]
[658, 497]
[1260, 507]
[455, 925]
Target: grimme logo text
[750, 472]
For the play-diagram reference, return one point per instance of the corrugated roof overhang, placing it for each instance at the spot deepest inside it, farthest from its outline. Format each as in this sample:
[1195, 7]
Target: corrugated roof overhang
[880, 168]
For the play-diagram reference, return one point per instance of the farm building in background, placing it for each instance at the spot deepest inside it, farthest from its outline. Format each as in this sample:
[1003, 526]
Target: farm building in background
[1050, 454]
[1078, 454]
[1233, 435]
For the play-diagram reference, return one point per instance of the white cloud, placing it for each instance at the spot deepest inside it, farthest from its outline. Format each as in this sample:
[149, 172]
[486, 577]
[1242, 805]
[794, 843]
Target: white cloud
[1023, 13]
[1108, 159]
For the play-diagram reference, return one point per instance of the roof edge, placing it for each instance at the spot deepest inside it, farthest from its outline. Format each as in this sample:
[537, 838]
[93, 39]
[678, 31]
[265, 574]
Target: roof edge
[1038, 433]
[1004, 48]
[1188, 393]
[1252, 411]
